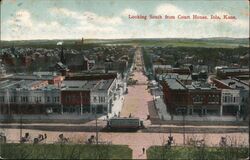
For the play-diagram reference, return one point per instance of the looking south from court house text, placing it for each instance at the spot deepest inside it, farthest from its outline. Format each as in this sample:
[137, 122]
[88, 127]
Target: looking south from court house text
[181, 17]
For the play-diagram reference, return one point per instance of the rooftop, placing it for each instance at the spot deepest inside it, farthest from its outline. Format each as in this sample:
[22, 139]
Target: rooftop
[235, 84]
[174, 84]
[174, 75]
[23, 76]
[93, 85]
[225, 70]
[78, 85]
[13, 84]
[103, 85]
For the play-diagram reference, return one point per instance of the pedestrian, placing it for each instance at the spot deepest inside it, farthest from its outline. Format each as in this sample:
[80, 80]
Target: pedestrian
[143, 150]
[45, 136]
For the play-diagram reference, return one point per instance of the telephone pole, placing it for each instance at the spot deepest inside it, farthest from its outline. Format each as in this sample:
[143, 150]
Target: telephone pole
[96, 125]
[184, 138]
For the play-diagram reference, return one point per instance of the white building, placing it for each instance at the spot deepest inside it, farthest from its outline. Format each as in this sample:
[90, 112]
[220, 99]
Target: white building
[230, 100]
[102, 96]
[31, 96]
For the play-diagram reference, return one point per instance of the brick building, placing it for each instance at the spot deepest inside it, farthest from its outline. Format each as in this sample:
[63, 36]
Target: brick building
[197, 98]
[75, 96]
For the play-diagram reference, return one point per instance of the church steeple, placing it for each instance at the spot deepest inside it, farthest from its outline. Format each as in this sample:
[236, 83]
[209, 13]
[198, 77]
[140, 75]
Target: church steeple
[62, 58]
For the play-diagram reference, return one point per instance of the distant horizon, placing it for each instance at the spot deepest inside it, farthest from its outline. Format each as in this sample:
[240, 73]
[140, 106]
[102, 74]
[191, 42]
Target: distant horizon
[127, 38]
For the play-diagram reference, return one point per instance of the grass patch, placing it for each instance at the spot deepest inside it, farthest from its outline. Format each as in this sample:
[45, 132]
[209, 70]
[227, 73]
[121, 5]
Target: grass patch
[202, 153]
[64, 151]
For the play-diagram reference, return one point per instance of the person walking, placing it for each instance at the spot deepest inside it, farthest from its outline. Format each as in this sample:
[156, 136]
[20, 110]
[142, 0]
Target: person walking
[143, 150]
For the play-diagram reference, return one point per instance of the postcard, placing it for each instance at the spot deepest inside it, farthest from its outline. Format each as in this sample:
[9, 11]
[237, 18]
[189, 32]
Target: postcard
[116, 79]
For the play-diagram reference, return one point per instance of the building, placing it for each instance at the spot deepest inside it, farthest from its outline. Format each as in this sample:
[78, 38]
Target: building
[63, 69]
[159, 69]
[28, 97]
[185, 79]
[235, 95]
[95, 96]
[2, 70]
[198, 98]
[79, 62]
[91, 76]
[75, 96]
[51, 77]
[226, 72]
[103, 95]
[29, 94]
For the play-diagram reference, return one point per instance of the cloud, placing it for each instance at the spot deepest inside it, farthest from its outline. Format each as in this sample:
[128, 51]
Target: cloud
[63, 12]
[21, 18]
[86, 16]
[102, 20]
[129, 11]
[168, 9]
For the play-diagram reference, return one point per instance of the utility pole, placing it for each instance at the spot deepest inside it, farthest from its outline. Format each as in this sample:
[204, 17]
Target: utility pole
[183, 114]
[96, 125]
[81, 102]
[8, 101]
[21, 125]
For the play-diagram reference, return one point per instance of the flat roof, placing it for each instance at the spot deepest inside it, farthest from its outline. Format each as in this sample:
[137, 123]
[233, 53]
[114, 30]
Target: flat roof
[236, 84]
[174, 84]
[75, 85]
[32, 77]
[103, 85]
[13, 84]
[234, 70]
[174, 75]
[162, 66]
[93, 85]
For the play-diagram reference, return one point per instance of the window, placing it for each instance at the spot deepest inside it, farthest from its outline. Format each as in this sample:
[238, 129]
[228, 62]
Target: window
[198, 99]
[12, 99]
[67, 98]
[213, 98]
[24, 99]
[48, 99]
[2, 99]
[101, 99]
[226, 99]
[95, 99]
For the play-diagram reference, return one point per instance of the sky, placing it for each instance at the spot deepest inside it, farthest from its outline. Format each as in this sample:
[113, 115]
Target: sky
[109, 19]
